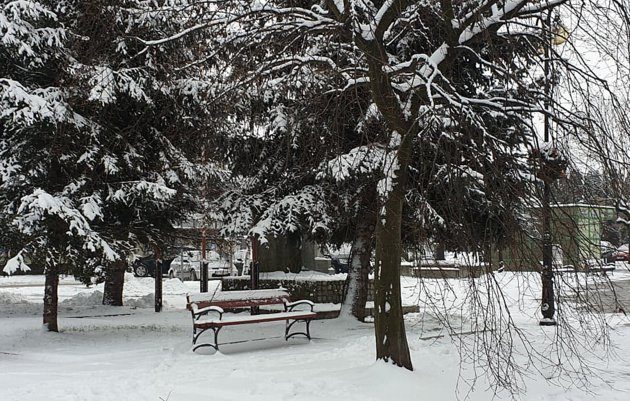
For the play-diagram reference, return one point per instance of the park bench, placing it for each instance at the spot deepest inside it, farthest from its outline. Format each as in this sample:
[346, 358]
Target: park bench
[207, 310]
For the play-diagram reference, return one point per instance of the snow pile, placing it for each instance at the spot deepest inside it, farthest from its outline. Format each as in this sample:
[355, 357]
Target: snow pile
[11, 299]
[85, 299]
[95, 298]
[139, 286]
[174, 286]
[147, 301]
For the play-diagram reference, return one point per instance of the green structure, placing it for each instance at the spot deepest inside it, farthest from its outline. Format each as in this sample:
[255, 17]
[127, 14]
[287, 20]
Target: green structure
[576, 231]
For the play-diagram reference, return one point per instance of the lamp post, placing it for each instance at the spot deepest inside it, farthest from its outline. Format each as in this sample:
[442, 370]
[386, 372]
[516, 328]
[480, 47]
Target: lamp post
[547, 306]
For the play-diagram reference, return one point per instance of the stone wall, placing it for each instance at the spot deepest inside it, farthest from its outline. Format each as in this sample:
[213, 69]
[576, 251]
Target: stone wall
[329, 290]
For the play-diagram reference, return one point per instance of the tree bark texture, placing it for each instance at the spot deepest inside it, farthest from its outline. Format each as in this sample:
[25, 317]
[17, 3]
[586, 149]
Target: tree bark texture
[389, 324]
[51, 285]
[114, 283]
[358, 275]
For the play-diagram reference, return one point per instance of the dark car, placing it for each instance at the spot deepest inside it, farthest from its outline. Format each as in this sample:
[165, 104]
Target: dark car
[145, 266]
[340, 263]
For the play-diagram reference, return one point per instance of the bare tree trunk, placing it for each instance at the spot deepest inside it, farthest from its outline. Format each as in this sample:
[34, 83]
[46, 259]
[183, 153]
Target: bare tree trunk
[358, 275]
[50, 297]
[158, 280]
[389, 324]
[114, 283]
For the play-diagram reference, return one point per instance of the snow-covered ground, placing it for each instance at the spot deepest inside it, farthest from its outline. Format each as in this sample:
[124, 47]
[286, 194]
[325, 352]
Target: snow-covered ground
[132, 353]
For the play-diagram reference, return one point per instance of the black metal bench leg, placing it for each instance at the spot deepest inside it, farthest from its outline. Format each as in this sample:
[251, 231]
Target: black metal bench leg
[286, 330]
[216, 339]
[289, 325]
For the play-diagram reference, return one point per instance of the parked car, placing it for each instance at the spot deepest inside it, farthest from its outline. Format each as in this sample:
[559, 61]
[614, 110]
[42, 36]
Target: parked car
[145, 266]
[182, 267]
[621, 254]
[340, 262]
[187, 265]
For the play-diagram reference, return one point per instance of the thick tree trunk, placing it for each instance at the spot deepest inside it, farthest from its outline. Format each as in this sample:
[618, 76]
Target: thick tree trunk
[358, 275]
[50, 298]
[389, 324]
[114, 283]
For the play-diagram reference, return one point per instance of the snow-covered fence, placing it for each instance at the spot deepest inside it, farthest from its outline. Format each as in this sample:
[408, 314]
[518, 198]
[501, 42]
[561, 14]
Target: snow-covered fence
[319, 289]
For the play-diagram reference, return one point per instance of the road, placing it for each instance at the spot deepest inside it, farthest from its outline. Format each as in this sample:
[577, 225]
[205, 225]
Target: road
[615, 298]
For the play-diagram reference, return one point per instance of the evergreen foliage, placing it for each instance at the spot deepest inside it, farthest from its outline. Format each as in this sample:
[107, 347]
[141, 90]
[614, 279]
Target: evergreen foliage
[99, 140]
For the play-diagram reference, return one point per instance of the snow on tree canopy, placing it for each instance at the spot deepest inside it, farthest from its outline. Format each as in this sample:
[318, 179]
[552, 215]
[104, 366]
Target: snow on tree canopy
[88, 163]
[22, 35]
[16, 263]
[366, 159]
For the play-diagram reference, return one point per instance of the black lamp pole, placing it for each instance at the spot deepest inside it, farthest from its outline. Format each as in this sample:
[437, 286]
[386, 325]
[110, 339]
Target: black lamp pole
[547, 306]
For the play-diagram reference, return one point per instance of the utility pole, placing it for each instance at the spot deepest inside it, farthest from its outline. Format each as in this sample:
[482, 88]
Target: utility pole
[547, 306]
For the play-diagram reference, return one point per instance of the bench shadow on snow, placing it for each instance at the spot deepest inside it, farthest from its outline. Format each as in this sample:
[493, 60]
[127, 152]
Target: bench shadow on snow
[248, 345]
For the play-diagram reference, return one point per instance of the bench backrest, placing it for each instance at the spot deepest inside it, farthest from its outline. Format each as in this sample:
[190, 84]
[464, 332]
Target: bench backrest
[237, 299]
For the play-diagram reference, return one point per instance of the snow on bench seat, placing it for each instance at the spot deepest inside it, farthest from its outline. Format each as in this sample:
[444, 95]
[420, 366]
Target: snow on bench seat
[243, 319]
[237, 295]
[239, 299]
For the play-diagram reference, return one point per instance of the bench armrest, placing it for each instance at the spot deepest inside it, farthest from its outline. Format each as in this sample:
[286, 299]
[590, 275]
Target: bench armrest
[288, 306]
[197, 313]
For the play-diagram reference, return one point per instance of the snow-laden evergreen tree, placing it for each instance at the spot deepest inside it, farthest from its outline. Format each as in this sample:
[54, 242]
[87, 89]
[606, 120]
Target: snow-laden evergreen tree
[94, 145]
[152, 120]
[409, 55]
[286, 186]
[312, 162]
[376, 156]
[42, 197]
